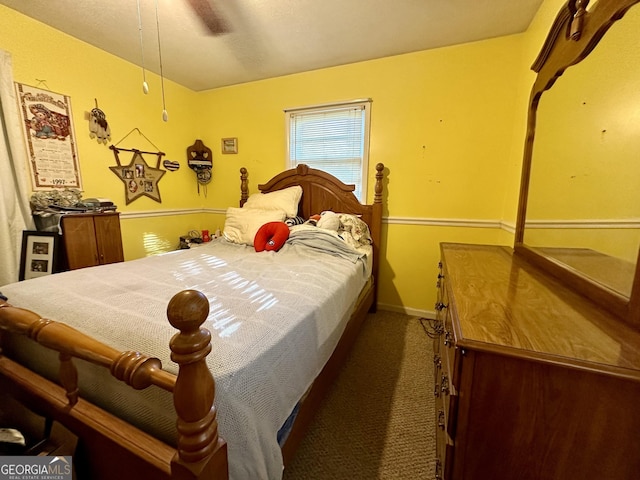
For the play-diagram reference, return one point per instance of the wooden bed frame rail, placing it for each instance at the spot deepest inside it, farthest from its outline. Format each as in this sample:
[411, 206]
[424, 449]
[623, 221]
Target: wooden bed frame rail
[114, 448]
[200, 451]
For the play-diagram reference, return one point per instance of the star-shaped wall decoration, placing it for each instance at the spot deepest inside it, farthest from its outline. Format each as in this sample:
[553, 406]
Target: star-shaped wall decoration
[139, 178]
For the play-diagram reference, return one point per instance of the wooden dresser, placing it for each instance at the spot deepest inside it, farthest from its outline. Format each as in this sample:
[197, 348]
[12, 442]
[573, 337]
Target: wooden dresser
[532, 381]
[92, 239]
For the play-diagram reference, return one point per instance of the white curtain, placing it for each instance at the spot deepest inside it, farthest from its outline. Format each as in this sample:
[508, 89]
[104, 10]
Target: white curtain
[15, 213]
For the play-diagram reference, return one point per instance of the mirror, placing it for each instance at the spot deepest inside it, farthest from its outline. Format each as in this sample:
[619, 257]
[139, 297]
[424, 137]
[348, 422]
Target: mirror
[584, 189]
[579, 214]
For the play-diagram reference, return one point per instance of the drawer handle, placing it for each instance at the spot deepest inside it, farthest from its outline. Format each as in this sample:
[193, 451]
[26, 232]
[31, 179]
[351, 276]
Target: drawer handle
[444, 384]
[437, 360]
[440, 306]
[448, 342]
[441, 419]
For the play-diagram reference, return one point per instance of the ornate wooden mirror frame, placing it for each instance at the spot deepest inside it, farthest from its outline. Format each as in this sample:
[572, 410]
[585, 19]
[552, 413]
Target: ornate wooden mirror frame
[574, 34]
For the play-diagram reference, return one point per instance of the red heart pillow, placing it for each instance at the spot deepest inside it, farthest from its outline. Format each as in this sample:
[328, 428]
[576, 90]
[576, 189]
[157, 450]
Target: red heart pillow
[271, 236]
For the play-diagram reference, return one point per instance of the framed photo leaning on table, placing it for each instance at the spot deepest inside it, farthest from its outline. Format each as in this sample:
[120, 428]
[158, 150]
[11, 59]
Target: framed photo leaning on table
[39, 254]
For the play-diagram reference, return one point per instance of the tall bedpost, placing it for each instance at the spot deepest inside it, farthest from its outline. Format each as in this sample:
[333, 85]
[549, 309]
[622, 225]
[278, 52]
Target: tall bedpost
[244, 186]
[201, 453]
[377, 198]
[376, 228]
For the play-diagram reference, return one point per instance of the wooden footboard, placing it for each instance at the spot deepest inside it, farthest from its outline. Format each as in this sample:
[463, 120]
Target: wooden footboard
[114, 448]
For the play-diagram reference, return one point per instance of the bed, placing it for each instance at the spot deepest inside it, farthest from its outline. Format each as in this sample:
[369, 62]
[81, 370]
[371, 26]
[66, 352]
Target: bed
[228, 389]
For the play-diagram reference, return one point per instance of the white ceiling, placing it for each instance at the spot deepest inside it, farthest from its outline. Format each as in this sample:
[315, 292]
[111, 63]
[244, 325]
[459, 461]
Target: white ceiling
[270, 38]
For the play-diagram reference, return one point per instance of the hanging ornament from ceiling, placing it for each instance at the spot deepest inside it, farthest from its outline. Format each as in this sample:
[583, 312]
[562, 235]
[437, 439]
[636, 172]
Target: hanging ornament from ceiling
[165, 115]
[145, 85]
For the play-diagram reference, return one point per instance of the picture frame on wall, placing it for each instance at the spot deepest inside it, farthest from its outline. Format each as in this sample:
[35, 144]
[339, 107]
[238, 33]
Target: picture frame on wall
[47, 127]
[229, 145]
[39, 254]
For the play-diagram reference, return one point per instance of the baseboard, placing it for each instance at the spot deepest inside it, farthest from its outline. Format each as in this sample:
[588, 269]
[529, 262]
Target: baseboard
[414, 312]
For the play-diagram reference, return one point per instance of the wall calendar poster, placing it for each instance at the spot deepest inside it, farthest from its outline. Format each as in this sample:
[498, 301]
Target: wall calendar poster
[48, 129]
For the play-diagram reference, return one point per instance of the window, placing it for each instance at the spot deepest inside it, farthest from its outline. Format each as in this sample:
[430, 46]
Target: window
[333, 138]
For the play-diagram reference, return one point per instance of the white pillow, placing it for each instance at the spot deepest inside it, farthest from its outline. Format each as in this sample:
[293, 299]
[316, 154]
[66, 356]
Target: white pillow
[241, 225]
[286, 200]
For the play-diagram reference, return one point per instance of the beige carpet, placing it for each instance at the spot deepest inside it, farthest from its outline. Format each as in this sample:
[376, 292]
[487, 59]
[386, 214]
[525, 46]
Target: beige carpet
[378, 420]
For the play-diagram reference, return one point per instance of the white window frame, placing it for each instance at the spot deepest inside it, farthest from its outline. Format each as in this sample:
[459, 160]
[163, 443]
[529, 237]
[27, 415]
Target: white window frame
[365, 104]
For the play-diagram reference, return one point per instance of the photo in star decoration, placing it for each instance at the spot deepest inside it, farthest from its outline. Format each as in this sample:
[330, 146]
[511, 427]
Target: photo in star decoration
[138, 177]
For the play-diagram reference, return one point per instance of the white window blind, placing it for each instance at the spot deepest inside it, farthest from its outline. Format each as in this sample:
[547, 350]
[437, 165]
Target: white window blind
[333, 138]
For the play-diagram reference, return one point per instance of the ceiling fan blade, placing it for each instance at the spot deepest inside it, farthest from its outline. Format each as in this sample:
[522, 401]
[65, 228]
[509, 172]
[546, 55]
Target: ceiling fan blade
[210, 16]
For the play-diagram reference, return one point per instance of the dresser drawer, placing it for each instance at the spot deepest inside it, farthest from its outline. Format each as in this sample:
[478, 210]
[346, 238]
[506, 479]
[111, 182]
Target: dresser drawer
[444, 443]
[445, 383]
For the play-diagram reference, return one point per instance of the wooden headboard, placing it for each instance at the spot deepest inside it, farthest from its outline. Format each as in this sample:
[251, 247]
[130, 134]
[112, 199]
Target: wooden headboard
[322, 191]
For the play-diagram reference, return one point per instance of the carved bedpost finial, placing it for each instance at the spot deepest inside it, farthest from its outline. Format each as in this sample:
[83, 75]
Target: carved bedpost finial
[580, 10]
[378, 188]
[195, 388]
[244, 186]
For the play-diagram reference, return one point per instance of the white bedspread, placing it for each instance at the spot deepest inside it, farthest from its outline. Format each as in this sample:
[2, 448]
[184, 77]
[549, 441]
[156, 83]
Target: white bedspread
[275, 320]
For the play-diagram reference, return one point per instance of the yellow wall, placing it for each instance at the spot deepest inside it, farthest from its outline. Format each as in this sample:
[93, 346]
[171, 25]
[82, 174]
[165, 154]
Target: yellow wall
[85, 73]
[448, 124]
[532, 42]
[441, 123]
